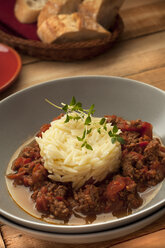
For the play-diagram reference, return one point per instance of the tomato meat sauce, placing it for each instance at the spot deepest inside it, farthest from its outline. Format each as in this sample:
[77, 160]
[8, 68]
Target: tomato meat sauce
[142, 166]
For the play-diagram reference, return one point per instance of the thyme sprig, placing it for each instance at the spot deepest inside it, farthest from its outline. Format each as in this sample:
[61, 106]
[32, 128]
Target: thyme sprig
[115, 136]
[86, 114]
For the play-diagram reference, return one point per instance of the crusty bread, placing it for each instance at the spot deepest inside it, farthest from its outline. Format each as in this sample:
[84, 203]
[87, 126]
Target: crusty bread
[102, 11]
[56, 7]
[73, 27]
[27, 11]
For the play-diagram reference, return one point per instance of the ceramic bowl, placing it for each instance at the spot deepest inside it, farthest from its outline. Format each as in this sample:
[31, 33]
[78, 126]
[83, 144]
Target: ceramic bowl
[85, 238]
[24, 112]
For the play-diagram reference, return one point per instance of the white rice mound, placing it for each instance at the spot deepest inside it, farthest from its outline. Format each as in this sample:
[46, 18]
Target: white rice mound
[67, 161]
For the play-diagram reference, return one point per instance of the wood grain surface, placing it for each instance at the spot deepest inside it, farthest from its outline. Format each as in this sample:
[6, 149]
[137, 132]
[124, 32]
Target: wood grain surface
[139, 54]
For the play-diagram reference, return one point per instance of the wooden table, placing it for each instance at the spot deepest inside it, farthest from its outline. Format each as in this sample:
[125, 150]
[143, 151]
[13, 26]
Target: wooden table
[140, 55]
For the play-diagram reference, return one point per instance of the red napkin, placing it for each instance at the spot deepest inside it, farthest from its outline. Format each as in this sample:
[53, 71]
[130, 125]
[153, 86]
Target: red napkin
[9, 24]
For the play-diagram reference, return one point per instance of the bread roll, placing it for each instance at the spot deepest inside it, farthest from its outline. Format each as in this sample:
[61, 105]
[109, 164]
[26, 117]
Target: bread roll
[69, 28]
[102, 11]
[56, 7]
[27, 11]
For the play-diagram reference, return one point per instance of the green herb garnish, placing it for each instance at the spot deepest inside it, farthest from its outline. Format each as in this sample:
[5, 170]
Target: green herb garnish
[114, 136]
[86, 114]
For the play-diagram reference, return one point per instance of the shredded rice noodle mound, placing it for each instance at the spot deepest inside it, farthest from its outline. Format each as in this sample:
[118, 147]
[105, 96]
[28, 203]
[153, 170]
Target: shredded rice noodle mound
[67, 161]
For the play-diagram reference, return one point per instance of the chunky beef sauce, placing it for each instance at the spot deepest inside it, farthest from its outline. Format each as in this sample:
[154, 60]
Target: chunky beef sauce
[142, 166]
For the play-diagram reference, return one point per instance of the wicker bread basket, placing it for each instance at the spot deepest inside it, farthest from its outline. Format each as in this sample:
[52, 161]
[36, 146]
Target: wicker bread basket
[64, 52]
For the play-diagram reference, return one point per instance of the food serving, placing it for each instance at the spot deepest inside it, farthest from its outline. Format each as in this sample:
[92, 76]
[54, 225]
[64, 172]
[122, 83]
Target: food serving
[83, 166]
[61, 21]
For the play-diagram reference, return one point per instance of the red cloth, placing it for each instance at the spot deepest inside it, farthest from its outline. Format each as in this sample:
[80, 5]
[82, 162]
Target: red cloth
[9, 23]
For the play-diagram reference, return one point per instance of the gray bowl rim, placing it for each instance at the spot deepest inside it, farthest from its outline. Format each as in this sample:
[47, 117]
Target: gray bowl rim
[93, 237]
